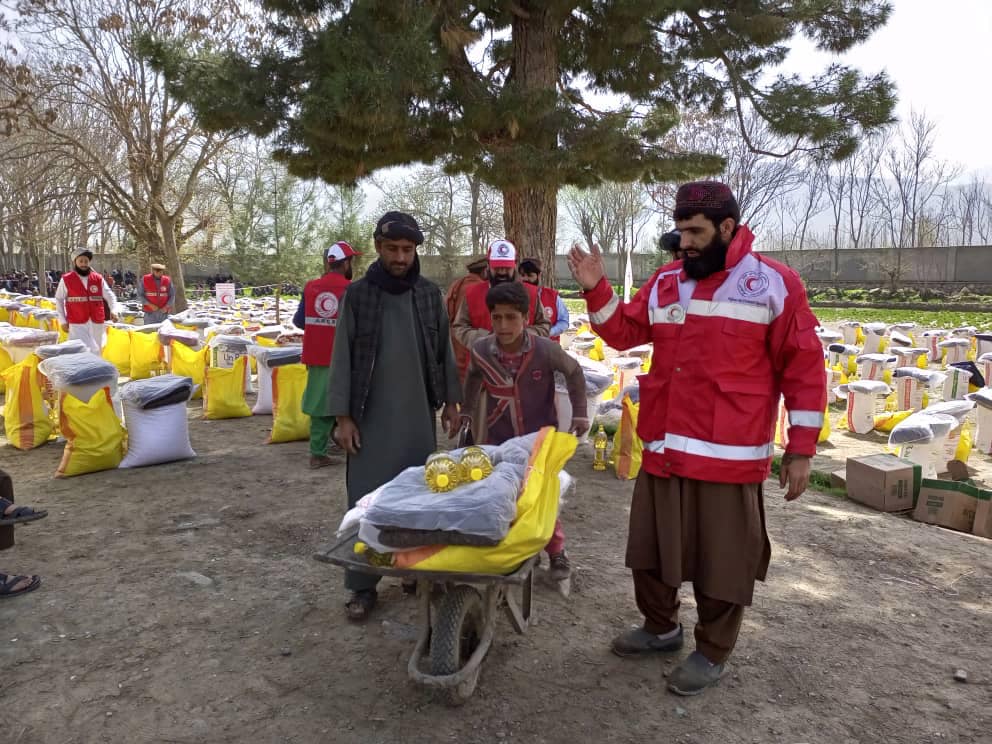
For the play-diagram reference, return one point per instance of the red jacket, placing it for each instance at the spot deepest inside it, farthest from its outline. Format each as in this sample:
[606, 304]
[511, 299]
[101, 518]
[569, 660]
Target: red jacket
[549, 305]
[453, 298]
[475, 296]
[159, 294]
[725, 349]
[85, 301]
[321, 299]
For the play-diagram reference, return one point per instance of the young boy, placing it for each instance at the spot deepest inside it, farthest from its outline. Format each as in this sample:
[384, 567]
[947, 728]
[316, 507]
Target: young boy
[517, 368]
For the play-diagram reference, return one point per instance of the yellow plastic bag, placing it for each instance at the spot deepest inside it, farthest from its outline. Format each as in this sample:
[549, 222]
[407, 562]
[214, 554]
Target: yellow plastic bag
[537, 510]
[147, 355]
[923, 361]
[25, 415]
[189, 363]
[5, 363]
[224, 391]
[596, 352]
[627, 446]
[887, 421]
[859, 338]
[782, 427]
[289, 423]
[117, 350]
[94, 437]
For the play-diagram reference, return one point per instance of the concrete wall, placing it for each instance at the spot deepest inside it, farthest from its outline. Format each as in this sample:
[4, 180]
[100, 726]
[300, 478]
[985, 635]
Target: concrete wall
[968, 264]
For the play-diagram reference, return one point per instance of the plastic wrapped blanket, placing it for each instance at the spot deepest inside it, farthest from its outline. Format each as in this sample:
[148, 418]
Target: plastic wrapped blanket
[79, 375]
[276, 356]
[28, 338]
[922, 427]
[482, 509]
[157, 392]
[167, 333]
[53, 350]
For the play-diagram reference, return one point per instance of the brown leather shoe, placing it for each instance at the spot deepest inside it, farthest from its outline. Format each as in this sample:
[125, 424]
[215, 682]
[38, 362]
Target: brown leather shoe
[321, 461]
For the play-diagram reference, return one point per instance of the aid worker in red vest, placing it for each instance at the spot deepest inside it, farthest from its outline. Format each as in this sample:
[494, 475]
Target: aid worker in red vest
[79, 302]
[473, 319]
[317, 315]
[157, 295]
[478, 273]
[552, 304]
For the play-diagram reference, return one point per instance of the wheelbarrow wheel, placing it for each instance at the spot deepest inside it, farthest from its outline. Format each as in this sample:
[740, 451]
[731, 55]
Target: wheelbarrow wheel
[455, 636]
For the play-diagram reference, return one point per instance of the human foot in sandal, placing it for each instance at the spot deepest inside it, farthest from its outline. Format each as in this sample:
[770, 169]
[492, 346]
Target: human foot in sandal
[360, 605]
[10, 513]
[13, 586]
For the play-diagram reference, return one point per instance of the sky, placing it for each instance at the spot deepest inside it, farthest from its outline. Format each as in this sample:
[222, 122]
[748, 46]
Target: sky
[940, 57]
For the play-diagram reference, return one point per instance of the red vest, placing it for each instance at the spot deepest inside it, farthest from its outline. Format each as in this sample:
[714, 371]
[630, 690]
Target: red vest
[155, 294]
[549, 304]
[321, 299]
[478, 311]
[85, 300]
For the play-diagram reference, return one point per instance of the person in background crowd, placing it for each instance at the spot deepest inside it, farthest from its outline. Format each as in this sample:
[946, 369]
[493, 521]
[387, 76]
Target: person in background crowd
[317, 315]
[671, 241]
[392, 368]
[552, 305]
[156, 294]
[478, 272]
[732, 333]
[79, 302]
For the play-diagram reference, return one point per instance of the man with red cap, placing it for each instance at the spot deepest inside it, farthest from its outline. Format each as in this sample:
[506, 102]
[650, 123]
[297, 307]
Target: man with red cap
[317, 315]
[732, 333]
[473, 320]
[79, 302]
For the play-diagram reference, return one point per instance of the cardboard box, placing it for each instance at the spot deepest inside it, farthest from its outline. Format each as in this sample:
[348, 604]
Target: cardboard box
[884, 482]
[838, 479]
[947, 503]
[983, 516]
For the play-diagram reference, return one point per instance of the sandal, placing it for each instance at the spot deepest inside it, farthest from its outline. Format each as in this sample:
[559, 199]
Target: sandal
[7, 584]
[360, 605]
[20, 515]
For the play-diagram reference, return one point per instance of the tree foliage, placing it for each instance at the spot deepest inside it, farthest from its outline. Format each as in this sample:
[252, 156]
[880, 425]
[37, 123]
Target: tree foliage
[511, 90]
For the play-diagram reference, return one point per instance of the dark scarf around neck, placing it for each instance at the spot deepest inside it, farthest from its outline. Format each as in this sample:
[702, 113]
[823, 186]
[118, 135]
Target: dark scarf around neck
[377, 275]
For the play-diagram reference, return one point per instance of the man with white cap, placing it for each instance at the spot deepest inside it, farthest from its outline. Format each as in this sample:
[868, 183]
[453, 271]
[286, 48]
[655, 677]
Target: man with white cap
[157, 295]
[79, 302]
[473, 320]
[317, 315]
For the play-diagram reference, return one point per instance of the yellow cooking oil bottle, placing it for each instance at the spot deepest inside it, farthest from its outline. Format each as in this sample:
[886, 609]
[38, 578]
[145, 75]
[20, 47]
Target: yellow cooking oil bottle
[599, 443]
[442, 473]
[475, 465]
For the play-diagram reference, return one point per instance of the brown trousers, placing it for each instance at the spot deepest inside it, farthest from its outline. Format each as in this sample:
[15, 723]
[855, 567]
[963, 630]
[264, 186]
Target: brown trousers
[711, 534]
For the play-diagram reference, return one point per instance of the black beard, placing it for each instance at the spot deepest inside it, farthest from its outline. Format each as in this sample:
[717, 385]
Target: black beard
[494, 280]
[711, 259]
[82, 272]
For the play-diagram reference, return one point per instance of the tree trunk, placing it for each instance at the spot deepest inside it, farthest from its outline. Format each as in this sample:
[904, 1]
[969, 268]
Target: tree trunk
[530, 214]
[167, 227]
[530, 217]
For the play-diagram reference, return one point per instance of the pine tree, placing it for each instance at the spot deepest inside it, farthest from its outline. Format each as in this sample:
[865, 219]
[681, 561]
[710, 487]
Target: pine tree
[510, 89]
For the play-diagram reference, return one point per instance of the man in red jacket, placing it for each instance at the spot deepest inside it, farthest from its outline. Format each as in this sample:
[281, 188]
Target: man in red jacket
[317, 315]
[732, 332]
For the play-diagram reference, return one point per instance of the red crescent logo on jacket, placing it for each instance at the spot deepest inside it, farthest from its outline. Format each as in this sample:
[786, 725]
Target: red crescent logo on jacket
[752, 283]
[326, 305]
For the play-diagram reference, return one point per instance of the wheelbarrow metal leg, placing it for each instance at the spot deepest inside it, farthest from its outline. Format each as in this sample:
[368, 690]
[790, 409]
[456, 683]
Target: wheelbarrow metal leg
[520, 614]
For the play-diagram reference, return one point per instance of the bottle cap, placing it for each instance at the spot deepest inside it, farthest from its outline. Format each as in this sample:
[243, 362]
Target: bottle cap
[442, 480]
[476, 474]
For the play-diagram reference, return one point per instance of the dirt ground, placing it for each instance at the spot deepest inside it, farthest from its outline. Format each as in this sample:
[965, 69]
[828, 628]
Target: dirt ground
[854, 638]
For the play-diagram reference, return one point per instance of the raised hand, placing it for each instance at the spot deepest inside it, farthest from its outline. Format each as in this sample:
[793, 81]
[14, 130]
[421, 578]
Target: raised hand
[587, 268]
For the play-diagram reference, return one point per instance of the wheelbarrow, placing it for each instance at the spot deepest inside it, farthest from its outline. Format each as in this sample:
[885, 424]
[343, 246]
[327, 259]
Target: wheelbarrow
[457, 630]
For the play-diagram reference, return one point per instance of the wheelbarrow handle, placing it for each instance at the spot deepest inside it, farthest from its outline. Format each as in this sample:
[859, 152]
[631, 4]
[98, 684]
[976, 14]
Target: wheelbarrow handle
[463, 435]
